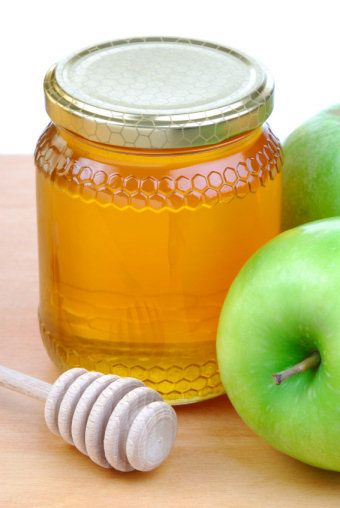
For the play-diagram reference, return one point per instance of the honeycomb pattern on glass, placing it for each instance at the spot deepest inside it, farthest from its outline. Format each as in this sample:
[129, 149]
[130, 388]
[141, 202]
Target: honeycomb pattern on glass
[164, 92]
[176, 383]
[148, 192]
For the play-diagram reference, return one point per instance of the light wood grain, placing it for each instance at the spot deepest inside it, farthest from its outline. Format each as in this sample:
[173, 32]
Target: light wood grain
[24, 384]
[216, 462]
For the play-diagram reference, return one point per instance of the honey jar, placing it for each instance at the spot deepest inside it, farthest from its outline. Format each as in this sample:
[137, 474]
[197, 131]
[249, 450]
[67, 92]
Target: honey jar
[157, 178]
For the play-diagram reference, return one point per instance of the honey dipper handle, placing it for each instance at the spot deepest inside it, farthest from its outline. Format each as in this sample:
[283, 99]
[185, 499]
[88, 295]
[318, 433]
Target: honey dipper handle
[22, 383]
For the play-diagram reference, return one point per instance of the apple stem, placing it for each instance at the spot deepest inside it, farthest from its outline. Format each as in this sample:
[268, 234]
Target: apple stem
[312, 361]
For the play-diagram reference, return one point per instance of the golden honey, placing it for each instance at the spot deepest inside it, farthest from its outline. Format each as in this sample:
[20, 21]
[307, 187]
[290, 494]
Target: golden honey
[138, 246]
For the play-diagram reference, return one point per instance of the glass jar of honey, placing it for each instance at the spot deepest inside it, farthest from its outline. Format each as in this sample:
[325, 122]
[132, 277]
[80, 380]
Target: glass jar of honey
[156, 180]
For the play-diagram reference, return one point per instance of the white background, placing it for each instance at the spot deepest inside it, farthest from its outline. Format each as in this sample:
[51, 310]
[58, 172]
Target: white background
[298, 40]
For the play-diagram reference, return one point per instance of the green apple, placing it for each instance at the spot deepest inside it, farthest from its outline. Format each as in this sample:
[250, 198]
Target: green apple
[281, 318]
[311, 173]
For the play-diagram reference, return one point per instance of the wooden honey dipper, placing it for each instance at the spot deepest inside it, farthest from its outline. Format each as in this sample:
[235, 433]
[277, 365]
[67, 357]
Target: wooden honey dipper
[118, 422]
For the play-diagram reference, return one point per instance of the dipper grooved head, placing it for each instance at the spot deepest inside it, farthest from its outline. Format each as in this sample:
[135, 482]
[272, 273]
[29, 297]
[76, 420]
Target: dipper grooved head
[117, 422]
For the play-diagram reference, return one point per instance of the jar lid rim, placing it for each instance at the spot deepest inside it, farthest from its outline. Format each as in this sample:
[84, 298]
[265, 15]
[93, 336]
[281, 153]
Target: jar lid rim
[159, 93]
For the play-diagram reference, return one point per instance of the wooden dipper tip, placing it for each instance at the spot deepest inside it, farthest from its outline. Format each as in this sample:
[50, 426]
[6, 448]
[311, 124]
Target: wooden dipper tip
[117, 422]
[151, 436]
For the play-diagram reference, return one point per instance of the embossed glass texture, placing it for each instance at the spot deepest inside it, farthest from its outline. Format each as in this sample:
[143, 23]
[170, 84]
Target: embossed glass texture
[138, 247]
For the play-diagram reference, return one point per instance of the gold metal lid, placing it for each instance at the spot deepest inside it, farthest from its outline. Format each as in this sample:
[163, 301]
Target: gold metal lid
[158, 93]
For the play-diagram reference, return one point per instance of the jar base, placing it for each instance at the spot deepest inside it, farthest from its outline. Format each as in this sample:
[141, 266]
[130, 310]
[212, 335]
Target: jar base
[181, 378]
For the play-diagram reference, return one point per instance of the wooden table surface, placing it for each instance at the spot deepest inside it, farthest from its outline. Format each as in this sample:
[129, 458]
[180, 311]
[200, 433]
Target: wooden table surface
[216, 462]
